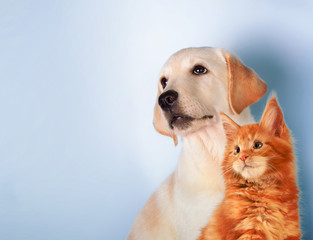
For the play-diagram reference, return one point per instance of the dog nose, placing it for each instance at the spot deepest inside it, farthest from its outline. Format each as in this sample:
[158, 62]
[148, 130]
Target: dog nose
[243, 157]
[167, 99]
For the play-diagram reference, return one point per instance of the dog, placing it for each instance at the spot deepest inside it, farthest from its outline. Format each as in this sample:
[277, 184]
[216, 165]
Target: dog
[195, 84]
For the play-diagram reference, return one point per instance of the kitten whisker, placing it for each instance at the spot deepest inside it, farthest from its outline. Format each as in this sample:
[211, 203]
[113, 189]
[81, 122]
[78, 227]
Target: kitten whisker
[227, 170]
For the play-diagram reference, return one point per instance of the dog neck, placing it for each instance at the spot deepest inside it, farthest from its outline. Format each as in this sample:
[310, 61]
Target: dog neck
[199, 166]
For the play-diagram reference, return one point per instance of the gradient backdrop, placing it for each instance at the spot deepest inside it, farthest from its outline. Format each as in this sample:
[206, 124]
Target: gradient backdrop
[78, 153]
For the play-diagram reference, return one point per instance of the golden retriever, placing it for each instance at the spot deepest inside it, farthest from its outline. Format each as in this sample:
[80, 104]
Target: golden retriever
[194, 86]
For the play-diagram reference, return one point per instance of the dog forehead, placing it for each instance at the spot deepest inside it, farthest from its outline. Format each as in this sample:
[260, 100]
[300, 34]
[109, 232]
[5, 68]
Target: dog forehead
[187, 58]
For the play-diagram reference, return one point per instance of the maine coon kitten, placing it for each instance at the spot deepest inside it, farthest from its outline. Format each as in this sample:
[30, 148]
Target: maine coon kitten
[261, 199]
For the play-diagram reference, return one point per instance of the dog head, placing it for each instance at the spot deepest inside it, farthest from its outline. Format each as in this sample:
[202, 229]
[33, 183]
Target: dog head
[195, 84]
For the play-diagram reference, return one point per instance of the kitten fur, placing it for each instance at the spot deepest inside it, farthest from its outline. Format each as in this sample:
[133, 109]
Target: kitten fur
[261, 199]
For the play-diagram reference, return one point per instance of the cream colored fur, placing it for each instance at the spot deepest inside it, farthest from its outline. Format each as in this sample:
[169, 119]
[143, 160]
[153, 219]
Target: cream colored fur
[182, 205]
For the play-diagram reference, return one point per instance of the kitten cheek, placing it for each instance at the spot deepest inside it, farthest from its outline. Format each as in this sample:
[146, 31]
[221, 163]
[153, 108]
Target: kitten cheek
[237, 166]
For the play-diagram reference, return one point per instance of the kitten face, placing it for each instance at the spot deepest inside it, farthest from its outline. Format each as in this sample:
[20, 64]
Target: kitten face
[255, 150]
[248, 155]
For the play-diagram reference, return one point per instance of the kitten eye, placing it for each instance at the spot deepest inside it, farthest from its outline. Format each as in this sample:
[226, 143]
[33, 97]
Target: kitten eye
[199, 70]
[237, 150]
[258, 145]
[163, 82]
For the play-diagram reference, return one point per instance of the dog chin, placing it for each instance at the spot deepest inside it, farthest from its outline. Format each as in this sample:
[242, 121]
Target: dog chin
[185, 126]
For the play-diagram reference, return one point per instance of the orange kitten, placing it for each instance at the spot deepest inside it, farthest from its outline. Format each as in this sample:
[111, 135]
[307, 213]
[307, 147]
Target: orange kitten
[261, 199]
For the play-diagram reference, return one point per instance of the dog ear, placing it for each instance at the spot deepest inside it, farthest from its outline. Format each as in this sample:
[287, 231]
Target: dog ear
[245, 86]
[159, 123]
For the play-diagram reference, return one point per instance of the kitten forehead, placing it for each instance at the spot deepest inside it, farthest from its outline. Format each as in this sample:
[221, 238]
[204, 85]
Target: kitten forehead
[247, 133]
[249, 137]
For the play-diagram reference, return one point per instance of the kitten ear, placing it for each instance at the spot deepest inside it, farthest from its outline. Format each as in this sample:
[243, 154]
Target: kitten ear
[273, 118]
[230, 127]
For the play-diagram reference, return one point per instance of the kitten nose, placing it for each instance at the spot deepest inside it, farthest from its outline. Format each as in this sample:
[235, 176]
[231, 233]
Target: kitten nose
[243, 157]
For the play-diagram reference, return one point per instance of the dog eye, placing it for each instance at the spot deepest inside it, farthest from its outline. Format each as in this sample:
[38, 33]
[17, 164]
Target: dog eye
[258, 145]
[199, 70]
[163, 82]
[237, 150]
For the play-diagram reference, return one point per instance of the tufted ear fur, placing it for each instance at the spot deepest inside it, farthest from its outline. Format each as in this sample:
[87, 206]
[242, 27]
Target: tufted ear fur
[230, 127]
[245, 86]
[273, 119]
[160, 123]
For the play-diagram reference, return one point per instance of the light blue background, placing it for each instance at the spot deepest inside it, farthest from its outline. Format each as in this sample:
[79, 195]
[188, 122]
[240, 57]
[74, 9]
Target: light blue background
[78, 152]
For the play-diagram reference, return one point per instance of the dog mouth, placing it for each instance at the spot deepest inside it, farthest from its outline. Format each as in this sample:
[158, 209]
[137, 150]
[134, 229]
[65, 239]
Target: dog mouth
[180, 120]
[183, 121]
